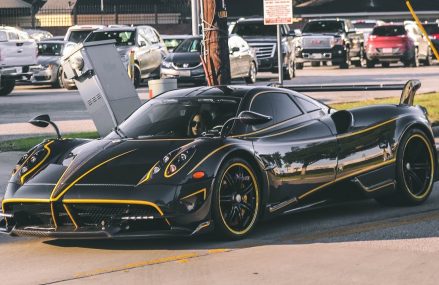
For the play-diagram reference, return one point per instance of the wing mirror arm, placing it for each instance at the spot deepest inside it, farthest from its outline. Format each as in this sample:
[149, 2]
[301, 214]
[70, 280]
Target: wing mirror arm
[248, 118]
[43, 121]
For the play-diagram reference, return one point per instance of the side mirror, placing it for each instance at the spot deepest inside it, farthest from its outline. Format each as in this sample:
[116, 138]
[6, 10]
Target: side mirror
[142, 43]
[253, 118]
[234, 49]
[42, 121]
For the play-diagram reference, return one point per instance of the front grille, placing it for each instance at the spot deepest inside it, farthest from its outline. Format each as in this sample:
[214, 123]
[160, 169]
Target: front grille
[96, 215]
[264, 50]
[30, 214]
[316, 42]
[186, 65]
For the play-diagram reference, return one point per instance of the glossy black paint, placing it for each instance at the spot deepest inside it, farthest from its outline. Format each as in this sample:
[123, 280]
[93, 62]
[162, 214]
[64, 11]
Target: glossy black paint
[318, 156]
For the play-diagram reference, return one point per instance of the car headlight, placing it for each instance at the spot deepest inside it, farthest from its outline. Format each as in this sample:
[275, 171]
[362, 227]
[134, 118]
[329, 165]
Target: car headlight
[30, 162]
[166, 64]
[178, 162]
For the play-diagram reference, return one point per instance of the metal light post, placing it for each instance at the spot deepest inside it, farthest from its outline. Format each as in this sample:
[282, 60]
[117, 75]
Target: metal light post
[195, 17]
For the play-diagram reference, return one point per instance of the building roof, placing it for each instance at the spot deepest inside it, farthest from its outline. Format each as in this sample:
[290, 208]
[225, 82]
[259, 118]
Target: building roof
[14, 4]
[59, 4]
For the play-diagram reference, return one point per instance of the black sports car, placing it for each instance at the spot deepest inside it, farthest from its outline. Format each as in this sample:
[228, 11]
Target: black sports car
[220, 158]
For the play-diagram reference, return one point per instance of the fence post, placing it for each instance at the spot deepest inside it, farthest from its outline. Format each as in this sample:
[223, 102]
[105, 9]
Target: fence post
[116, 14]
[75, 15]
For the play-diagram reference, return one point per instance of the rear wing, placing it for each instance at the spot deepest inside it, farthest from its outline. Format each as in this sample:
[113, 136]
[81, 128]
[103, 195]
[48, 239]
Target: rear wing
[409, 92]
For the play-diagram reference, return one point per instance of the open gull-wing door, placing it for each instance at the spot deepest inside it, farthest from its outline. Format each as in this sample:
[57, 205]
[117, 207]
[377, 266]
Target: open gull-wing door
[409, 91]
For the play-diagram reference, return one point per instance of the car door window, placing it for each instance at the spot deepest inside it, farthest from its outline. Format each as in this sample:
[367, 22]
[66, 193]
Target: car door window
[308, 106]
[13, 36]
[277, 105]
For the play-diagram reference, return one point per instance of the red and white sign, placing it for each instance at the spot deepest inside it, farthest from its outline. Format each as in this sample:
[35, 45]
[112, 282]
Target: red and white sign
[278, 12]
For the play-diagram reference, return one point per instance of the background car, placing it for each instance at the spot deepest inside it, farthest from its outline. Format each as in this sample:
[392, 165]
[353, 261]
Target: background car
[185, 62]
[78, 33]
[144, 41]
[392, 43]
[432, 30]
[366, 26]
[48, 69]
[172, 41]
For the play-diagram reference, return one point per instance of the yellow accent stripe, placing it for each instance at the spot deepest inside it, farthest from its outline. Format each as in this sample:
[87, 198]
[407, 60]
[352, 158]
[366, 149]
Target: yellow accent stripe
[209, 155]
[107, 201]
[52, 212]
[347, 176]
[62, 176]
[204, 191]
[432, 46]
[367, 129]
[46, 146]
[70, 216]
[88, 172]
[148, 175]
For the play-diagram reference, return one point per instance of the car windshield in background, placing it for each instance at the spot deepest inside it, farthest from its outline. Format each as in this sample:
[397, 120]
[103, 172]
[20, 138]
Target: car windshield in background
[323, 27]
[78, 36]
[189, 45]
[389, 31]
[123, 38]
[254, 29]
[178, 118]
[50, 49]
[172, 43]
[364, 25]
[431, 28]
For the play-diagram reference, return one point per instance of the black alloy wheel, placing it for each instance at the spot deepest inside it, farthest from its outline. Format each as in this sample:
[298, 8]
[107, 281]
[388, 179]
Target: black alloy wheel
[236, 201]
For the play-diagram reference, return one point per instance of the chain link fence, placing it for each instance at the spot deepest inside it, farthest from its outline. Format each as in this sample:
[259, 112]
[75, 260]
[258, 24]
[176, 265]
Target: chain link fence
[171, 12]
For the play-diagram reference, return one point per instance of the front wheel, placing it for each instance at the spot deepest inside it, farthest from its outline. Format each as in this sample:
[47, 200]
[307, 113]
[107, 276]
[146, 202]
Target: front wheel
[6, 86]
[236, 199]
[290, 70]
[251, 78]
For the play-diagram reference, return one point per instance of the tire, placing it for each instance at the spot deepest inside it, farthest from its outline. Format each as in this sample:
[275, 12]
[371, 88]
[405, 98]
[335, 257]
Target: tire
[137, 77]
[362, 61]
[290, 71]
[299, 65]
[59, 83]
[415, 60]
[415, 165]
[429, 60]
[346, 64]
[6, 87]
[251, 78]
[315, 63]
[236, 209]
[370, 64]
[385, 64]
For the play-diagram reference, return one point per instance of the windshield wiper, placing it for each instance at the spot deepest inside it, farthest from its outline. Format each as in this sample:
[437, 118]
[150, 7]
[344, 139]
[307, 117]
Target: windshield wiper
[120, 133]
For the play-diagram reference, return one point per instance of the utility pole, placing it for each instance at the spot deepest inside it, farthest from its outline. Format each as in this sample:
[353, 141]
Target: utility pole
[215, 42]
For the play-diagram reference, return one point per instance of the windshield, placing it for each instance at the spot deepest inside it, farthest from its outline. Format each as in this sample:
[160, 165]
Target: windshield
[249, 29]
[3, 37]
[432, 29]
[388, 31]
[171, 44]
[189, 45]
[178, 117]
[78, 36]
[323, 27]
[123, 38]
[49, 49]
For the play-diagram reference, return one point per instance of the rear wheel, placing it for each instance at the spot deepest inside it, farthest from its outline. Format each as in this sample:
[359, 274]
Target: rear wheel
[6, 86]
[236, 199]
[251, 78]
[414, 170]
[370, 63]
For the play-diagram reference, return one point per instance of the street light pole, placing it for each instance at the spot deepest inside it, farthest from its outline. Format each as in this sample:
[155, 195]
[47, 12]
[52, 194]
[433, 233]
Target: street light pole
[195, 17]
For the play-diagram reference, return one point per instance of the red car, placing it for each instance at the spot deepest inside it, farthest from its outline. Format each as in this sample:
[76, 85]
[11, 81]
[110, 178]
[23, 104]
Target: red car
[392, 43]
[432, 30]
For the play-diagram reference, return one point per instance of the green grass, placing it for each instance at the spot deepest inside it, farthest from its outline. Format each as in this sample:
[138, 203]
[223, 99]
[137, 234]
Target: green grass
[429, 101]
[27, 143]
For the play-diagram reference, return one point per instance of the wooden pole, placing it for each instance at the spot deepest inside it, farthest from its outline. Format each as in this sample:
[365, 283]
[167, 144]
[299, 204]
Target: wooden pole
[215, 40]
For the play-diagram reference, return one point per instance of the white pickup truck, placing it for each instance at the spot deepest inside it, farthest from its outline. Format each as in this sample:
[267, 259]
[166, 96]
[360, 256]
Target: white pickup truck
[17, 53]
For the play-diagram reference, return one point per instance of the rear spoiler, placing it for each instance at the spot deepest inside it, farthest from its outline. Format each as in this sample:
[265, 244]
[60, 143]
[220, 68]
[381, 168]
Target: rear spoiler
[409, 92]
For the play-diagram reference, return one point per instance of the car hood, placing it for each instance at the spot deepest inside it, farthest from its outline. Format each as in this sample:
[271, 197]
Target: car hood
[106, 162]
[184, 57]
[260, 39]
[44, 60]
[321, 35]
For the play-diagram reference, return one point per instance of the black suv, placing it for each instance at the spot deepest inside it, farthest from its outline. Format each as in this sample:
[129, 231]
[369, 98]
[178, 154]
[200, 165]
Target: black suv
[263, 39]
[334, 40]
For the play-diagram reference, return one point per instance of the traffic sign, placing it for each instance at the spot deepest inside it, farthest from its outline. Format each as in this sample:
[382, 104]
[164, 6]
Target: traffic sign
[278, 12]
